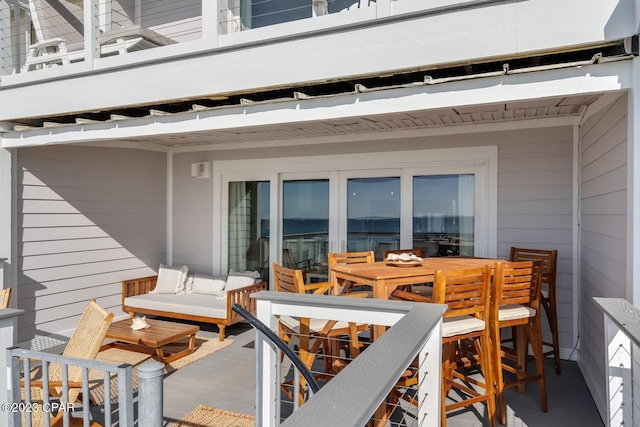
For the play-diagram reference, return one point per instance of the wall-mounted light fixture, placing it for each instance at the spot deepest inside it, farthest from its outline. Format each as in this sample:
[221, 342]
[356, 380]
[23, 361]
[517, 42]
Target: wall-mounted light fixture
[201, 169]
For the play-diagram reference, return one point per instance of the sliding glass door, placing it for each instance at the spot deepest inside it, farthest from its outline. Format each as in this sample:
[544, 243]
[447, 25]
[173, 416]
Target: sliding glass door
[305, 224]
[373, 210]
[443, 214]
[296, 212]
[248, 226]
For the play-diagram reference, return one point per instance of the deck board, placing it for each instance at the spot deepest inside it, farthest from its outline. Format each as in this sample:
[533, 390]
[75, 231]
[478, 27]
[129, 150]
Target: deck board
[225, 380]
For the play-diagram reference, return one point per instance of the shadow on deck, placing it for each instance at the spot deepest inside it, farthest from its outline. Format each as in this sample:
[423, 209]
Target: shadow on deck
[226, 380]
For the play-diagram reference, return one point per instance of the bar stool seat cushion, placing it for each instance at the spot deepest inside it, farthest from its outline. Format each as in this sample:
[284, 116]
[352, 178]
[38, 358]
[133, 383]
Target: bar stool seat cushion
[461, 325]
[515, 311]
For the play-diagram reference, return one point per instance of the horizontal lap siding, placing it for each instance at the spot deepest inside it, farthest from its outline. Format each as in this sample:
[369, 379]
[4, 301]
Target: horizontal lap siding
[179, 21]
[192, 216]
[535, 196]
[603, 159]
[88, 218]
[535, 209]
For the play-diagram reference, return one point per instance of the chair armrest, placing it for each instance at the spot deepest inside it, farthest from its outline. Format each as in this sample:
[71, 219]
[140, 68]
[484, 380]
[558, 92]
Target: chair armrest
[57, 41]
[139, 286]
[261, 286]
[319, 288]
[241, 296]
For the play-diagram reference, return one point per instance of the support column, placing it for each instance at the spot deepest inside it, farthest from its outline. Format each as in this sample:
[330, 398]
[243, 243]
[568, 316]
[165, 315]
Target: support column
[633, 187]
[6, 215]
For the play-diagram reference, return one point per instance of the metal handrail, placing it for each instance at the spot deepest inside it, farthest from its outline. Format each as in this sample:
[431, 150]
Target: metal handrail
[253, 321]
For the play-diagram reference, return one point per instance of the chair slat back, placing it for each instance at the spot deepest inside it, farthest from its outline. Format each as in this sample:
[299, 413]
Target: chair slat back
[419, 252]
[350, 258]
[517, 283]
[548, 261]
[288, 279]
[466, 292]
[86, 340]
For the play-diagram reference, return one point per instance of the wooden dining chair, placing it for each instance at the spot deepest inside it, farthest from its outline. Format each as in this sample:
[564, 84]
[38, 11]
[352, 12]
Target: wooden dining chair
[334, 259]
[85, 343]
[548, 259]
[323, 333]
[5, 296]
[515, 303]
[466, 292]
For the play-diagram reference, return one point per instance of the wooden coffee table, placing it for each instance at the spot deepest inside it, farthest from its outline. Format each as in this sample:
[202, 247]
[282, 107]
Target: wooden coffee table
[152, 339]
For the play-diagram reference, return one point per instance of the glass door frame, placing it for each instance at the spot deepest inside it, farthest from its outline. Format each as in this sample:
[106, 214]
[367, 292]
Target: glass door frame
[221, 211]
[480, 235]
[306, 176]
[344, 176]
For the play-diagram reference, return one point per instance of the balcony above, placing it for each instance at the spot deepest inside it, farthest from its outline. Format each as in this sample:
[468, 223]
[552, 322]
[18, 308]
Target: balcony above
[116, 53]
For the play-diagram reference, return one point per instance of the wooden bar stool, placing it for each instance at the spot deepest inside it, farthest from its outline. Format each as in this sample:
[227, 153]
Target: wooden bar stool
[466, 292]
[515, 303]
[549, 259]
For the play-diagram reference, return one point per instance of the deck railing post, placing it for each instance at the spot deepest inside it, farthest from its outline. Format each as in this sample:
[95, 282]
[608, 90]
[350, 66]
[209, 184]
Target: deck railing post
[211, 22]
[7, 324]
[91, 23]
[150, 377]
[266, 372]
[6, 66]
[622, 338]
[383, 8]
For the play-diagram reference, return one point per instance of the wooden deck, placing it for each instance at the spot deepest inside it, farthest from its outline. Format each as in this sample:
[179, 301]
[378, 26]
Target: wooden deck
[226, 380]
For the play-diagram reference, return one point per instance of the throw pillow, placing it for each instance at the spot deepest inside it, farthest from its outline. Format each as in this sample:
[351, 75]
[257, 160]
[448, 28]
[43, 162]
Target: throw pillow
[240, 279]
[171, 279]
[188, 284]
[208, 285]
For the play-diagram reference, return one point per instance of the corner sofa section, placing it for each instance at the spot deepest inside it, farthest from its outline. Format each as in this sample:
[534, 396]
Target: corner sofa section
[138, 298]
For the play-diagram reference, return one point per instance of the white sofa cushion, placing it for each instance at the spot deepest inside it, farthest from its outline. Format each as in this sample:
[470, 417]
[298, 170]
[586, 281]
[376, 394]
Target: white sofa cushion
[240, 279]
[208, 285]
[192, 304]
[171, 280]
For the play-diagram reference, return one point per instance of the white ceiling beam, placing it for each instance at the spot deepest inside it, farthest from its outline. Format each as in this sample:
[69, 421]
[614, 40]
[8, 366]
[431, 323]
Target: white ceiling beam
[599, 78]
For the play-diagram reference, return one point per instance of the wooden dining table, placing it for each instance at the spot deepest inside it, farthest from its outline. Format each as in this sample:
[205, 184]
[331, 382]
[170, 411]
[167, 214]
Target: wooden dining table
[384, 277]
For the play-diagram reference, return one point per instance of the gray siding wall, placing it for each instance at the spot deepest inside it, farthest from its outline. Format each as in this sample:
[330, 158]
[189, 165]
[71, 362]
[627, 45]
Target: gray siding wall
[192, 215]
[180, 21]
[603, 158]
[535, 196]
[88, 218]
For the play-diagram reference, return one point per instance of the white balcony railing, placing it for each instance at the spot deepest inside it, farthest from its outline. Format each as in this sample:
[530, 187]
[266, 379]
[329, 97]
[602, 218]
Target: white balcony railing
[358, 393]
[95, 34]
[622, 344]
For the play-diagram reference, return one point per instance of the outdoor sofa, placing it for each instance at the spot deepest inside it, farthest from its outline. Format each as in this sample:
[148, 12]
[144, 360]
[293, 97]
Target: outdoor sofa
[173, 293]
